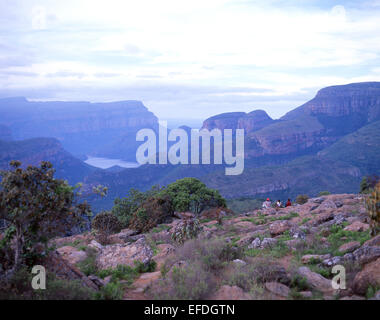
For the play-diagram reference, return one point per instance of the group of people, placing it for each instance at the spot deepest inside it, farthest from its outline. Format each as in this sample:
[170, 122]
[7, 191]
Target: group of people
[268, 204]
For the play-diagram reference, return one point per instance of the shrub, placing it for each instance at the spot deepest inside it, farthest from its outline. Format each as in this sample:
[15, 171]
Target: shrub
[152, 212]
[36, 208]
[302, 198]
[111, 291]
[185, 230]
[105, 223]
[88, 266]
[190, 194]
[212, 254]
[18, 287]
[373, 209]
[124, 208]
[324, 193]
[191, 282]
[256, 273]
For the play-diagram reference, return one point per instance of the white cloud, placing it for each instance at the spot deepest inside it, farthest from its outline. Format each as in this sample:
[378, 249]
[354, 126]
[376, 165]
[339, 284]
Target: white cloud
[105, 44]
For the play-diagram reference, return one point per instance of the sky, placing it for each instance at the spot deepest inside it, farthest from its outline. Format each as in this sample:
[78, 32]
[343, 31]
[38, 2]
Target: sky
[187, 59]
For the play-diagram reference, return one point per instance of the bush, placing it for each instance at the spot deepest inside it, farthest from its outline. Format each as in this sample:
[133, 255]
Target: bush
[124, 208]
[324, 193]
[36, 207]
[152, 212]
[373, 209]
[191, 282]
[111, 291]
[105, 223]
[185, 230]
[19, 287]
[190, 194]
[212, 254]
[88, 266]
[302, 198]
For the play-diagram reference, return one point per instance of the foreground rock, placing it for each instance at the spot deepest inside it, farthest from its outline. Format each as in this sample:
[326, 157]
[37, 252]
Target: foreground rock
[315, 280]
[278, 289]
[369, 276]
[118, 254]
[230, 293]
[64, 270]
[72, 255]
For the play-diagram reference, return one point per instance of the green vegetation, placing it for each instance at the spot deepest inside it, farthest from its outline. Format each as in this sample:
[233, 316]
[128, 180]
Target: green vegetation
[324, 193]
[187, 229]
[105, 224]
[372, 204]
[143, 211]
[35, 207]
[302, 198]
[190, 194]
[18, 288]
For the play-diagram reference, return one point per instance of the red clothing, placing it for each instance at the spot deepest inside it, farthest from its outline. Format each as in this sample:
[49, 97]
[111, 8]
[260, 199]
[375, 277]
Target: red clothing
[288, 204]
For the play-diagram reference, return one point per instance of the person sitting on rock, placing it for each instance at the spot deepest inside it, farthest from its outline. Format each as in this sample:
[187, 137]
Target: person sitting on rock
[288, 203]
[267, 204]
[278, 204]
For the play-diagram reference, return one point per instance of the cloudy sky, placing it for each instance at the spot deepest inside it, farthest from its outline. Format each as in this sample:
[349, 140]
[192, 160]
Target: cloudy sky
[187, 59]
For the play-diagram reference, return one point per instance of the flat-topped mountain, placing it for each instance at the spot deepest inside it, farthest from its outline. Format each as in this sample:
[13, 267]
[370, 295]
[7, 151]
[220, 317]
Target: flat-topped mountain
[251, 121]
[82, 127]
[360, 100]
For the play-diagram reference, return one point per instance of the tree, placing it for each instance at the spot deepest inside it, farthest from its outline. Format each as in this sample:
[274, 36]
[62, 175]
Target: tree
[105, 223]
[124, 208]
[190, 194]
[364, 185]
[36, 207]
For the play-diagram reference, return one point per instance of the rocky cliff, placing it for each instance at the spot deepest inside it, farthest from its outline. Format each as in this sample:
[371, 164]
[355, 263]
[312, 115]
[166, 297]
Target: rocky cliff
[250, 122]
[334, 112]
[82, 127]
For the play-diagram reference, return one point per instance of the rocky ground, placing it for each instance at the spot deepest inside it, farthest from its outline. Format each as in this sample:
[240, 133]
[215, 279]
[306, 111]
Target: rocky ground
[287, 253]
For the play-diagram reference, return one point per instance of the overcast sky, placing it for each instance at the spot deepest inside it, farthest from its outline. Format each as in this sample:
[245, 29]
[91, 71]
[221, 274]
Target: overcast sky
[187, 59]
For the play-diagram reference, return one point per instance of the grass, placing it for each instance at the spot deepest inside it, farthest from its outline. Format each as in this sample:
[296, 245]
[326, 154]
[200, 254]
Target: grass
[160, 228]
[339, 236]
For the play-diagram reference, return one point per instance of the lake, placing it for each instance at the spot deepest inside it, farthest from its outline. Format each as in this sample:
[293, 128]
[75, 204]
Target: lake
[105, 163]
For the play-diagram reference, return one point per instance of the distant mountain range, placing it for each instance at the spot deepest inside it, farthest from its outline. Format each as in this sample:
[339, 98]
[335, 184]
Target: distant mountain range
[83, 128]
[328, 143]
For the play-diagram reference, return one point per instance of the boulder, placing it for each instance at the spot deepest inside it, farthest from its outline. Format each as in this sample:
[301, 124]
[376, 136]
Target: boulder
[55, 263]
[328, 204]
[95, 245]
[357, 226]
[349, 247]
[369, 276]
[123, 236]
[332, 261]
[239, 262]
[366, 254]
[279, 227]
[230, 293]
[309, 258]
[118, 254]
[278, 289]
[315, 280]
[373, 242]
[72, 255]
